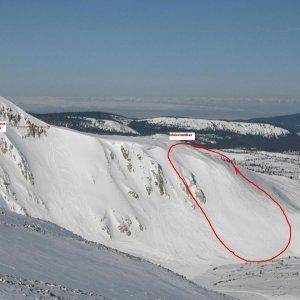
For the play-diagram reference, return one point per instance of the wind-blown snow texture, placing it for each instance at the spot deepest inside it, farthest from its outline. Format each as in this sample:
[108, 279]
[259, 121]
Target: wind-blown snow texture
[120, 191]
[39, 259]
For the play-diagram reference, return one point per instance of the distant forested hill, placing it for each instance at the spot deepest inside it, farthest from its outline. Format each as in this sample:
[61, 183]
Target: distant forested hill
[287, 121]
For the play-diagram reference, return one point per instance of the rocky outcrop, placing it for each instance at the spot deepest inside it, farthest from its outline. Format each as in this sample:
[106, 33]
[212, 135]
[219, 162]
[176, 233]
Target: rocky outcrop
[18, 120]
[7, 148]
[8, 195]
[196, 190]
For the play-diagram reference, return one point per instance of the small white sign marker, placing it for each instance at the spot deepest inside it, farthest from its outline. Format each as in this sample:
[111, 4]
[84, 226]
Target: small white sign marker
[182, 136]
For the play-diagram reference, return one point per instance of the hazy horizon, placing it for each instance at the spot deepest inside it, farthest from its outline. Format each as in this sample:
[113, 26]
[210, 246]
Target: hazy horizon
[197, 107]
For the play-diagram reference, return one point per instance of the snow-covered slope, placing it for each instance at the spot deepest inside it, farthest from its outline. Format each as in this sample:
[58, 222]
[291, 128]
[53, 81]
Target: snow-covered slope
[110, 125]
[115, 126]
[276, 280]
[121, 191]
[41, 261]
[244, 128]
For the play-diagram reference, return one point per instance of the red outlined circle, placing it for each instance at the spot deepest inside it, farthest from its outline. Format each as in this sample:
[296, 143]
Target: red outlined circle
[251, 183]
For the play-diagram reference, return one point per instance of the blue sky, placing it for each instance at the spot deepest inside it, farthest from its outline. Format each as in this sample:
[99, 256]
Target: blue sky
[164, 48]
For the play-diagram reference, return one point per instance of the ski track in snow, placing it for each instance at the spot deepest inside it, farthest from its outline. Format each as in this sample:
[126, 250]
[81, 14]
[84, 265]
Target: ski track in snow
[253, 295]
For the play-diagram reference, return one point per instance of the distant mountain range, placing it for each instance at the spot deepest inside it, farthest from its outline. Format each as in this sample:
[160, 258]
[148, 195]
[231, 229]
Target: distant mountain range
[286, 121]
[274, 134]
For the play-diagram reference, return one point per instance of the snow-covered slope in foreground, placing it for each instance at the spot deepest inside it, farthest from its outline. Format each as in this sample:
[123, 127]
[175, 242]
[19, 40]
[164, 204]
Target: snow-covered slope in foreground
[41, 261]
[123, 193]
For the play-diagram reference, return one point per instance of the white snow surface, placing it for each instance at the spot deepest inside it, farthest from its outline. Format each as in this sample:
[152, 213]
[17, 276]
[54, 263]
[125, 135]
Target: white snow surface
[121, 191]
[40, 261]
[276, 280]
[265, 130]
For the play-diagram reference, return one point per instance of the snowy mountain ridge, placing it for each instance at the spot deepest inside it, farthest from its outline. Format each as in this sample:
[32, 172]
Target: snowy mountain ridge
[112, 126]
[111, 123]
[244, 128]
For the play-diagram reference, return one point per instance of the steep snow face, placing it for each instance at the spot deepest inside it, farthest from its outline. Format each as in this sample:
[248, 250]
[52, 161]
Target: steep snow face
[121, 191]
[265, 130]
[39, 259]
